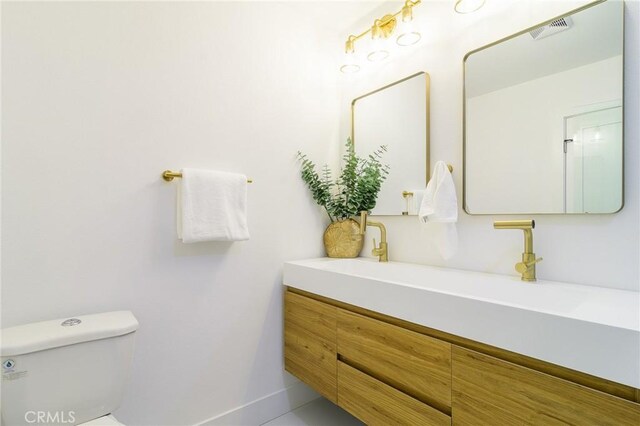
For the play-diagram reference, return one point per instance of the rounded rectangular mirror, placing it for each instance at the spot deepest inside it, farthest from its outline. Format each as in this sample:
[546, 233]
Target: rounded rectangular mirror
[543, 119]
[397, 116]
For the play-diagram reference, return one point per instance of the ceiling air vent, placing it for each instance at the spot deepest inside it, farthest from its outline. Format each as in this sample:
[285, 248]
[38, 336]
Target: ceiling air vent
[552, 28]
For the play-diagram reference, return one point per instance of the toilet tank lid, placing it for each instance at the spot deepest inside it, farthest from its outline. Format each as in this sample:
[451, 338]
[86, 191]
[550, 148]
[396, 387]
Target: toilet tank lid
[24, 339]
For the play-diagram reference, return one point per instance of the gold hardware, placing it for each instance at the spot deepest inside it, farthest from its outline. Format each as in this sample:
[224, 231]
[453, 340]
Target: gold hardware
[406, 195]
[384, 22]
[407, 13]
[384, 26]
[169, 175]
[350, 44]
[363, 222]
[382, 251]
[523, 266]
[527, 268]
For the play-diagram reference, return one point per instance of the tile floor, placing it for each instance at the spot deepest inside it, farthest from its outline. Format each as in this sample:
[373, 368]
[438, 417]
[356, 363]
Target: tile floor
[319, 412]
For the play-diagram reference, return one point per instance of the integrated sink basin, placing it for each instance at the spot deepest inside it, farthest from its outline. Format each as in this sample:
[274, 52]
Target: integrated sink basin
[594, 330]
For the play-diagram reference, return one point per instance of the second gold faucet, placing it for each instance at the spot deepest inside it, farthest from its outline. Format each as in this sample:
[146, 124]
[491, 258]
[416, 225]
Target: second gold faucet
[526, 268]
[382, 250]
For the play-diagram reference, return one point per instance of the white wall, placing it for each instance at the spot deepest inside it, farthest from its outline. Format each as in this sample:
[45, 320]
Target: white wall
[523, 140]
[98, 99]
[593, 250]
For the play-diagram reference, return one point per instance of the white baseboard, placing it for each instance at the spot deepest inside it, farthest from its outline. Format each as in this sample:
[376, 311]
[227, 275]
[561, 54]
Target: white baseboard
[266, 408]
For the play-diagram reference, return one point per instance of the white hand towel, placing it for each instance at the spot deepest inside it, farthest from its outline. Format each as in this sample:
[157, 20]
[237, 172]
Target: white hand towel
[440, 207]
[440, 203]
[212, 206]
[416, 201]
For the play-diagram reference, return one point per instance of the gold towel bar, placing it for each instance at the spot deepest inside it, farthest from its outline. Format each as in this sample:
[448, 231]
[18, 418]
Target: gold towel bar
[169, 175]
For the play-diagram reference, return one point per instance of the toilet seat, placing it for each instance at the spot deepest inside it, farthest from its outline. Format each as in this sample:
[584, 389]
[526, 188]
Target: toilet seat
[107, 420]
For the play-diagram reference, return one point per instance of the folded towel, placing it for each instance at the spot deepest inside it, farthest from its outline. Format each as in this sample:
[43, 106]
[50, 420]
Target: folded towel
[212, 206]
[439, 209]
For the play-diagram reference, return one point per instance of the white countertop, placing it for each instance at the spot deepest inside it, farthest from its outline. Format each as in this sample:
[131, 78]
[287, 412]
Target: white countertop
[595, 330]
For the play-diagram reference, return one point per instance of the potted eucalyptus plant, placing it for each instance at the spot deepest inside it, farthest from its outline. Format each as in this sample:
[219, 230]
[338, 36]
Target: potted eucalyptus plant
[355, 190]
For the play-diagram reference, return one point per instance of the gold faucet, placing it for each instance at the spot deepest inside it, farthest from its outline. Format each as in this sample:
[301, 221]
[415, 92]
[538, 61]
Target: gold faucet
[382, 250]
[527, 268]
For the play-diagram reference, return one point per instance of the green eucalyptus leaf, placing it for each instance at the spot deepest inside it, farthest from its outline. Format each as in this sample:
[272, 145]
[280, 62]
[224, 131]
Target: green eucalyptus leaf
[356, 188]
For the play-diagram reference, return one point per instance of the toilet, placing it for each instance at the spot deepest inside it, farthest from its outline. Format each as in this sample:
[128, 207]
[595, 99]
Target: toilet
[67, 371]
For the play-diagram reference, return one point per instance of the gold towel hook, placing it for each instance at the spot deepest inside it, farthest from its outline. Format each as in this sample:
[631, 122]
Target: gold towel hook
[170, 175]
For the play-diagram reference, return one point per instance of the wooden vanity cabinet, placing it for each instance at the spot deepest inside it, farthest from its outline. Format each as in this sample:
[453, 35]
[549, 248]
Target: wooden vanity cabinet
[310, 343]
[380, 373]
[386, 371]
[487, 390]
[377, 403]
[417, 365]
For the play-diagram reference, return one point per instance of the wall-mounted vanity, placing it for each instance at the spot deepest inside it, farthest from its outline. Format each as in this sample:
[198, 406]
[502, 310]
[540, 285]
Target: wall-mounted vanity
[408, 344]
[543, 117]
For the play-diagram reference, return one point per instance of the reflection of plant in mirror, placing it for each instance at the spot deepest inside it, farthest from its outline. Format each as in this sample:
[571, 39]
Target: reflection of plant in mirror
[355, 190]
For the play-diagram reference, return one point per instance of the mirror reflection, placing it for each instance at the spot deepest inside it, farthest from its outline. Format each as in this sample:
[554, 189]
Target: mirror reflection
[396, 116]
[543, 117]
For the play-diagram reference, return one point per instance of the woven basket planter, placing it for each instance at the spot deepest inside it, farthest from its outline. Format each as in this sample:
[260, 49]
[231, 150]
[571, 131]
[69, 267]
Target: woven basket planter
[342, 239]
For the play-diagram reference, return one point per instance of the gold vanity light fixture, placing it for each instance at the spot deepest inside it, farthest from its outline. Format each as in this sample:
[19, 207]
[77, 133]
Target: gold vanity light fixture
[381, 32]
[468, 6]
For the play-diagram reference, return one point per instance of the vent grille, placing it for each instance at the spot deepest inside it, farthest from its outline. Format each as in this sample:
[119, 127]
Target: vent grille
[562, 22]
[555, 27]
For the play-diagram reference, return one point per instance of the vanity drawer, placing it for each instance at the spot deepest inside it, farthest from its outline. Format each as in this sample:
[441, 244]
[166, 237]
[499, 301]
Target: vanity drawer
[376, 403]
[487, 390]
[417, 365]
[310, 343]
[317, 317]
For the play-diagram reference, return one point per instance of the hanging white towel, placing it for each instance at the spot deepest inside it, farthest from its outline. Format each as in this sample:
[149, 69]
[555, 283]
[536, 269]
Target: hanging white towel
[415, 201]
[440, 203]
[212, 206]
[439, 209]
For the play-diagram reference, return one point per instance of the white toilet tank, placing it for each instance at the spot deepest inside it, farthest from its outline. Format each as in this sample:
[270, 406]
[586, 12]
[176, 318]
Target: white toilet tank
[66, 371]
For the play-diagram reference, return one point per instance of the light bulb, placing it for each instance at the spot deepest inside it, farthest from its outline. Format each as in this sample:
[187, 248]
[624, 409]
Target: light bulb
[378, 51]
[350, 63]
[468, 6]
[408, 35]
